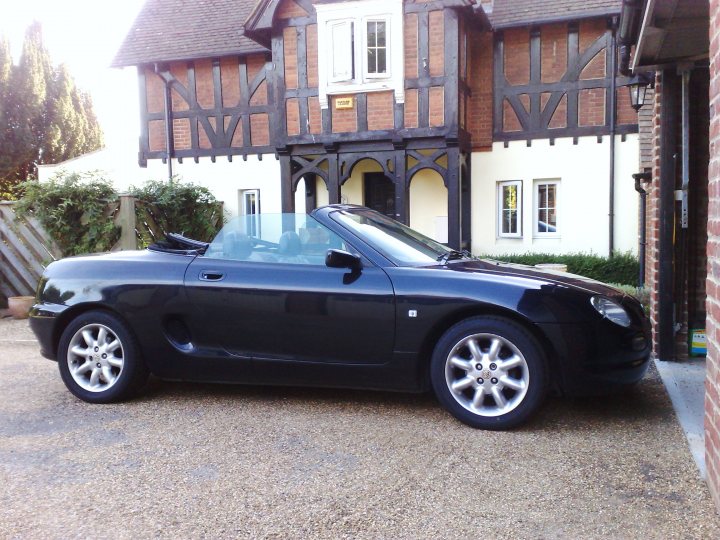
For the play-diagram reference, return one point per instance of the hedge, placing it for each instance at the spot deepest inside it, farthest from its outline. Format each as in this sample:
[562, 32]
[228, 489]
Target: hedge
[622, 268]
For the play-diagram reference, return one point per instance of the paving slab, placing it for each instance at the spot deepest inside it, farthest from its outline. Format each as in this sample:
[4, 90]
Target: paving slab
[210, 461]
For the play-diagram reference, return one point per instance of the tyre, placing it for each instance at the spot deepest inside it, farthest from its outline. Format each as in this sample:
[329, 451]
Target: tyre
[99, 358]
[489, 373]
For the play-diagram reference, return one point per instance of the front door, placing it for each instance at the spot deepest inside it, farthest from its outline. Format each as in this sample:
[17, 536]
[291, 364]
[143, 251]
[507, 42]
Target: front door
[380, 193]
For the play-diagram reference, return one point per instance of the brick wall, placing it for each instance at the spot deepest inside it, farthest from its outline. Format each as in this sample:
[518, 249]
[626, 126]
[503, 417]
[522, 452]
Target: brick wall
[343, 120]
[712, 383]
[380, 110]
[480, 80]
[652, 223]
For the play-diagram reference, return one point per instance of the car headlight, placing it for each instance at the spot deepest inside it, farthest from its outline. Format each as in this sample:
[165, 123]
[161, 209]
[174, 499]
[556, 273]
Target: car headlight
[611, 310]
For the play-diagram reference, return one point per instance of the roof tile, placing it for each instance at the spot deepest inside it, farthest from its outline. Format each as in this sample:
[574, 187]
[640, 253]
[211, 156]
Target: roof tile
[509, 13]
[167, 30]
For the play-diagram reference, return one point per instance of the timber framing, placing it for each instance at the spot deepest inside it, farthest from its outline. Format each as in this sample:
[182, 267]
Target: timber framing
[418, 126]
[535, 119]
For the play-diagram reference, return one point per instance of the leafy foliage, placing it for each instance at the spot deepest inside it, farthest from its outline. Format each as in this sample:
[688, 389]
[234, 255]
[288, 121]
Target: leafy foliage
[75, 209]
[44, 117]
[179, 207]
[621, 268]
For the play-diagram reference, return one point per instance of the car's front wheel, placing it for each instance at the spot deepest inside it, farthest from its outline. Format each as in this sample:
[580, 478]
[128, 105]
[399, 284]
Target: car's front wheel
[99, 358]
[489, 372]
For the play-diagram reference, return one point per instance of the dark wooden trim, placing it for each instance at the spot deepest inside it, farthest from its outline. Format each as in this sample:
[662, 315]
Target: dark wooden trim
[333, 179]
[279, 128]
[399, 115]
[215, 152]
[301, 92]
[362, 112]
[499, 82]
[451, 60]
[295, 22]
[244, 98]
[452, 181]
[465, 201]
[287, 199]
[433, 6]
[535, 78]
[144, 128]
[402, 211]
[557, 133]
[301, 57]
[192, 98]
[423, 68]
[424, 82]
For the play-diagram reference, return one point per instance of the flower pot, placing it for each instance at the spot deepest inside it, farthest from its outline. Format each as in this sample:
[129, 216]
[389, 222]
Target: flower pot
[19, 306]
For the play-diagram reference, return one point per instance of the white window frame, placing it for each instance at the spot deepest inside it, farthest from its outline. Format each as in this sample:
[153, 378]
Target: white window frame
[359, 13]
[501, 211]
[536, 209]
[365, 45]
[254, 228]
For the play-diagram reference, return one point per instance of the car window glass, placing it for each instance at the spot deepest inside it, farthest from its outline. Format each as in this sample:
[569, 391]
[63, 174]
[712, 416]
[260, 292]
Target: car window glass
[275, 238]
[399, 243]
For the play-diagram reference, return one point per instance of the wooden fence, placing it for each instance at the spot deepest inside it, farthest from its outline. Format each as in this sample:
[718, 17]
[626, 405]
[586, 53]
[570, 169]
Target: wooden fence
[26, 249]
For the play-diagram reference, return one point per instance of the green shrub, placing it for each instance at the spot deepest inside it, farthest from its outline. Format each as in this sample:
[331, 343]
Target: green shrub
[74, 210]
[621, 268]
[176, 206]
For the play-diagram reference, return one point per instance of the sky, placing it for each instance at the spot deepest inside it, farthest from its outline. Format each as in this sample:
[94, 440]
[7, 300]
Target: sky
[85, 35]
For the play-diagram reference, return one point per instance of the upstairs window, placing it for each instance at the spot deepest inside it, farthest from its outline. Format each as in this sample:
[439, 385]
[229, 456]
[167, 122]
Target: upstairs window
[342, 54]
[360, 47]
[376, 45]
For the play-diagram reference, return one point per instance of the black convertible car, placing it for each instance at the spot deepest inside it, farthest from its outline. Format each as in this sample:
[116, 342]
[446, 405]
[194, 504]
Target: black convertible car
[343, 297]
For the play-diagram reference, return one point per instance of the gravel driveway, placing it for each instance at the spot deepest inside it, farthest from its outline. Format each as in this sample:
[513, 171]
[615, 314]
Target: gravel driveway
[195, 461]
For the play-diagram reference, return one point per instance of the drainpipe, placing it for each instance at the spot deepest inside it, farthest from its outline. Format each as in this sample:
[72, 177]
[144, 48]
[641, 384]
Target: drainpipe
[645, 176]
[611, 105]
[169, 145]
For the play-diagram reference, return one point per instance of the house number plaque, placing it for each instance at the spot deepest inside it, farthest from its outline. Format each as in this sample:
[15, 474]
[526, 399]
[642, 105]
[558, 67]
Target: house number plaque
[344, 103]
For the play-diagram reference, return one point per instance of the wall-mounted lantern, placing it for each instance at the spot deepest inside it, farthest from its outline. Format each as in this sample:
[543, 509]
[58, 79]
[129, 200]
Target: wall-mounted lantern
[638, 86]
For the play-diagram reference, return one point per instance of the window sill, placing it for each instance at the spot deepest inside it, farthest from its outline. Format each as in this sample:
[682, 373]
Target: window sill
[357, 88]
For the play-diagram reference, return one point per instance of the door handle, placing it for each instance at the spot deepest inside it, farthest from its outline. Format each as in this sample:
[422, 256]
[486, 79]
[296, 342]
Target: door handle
[211, 275]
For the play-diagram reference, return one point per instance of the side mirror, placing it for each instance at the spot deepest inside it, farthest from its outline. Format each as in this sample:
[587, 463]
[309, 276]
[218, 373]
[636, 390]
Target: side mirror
[337, 258]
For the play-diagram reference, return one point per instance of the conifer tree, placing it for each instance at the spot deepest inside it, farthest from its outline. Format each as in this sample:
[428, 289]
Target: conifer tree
[44, 117]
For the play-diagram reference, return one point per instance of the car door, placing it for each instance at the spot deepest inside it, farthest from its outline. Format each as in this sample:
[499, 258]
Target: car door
[269, 295]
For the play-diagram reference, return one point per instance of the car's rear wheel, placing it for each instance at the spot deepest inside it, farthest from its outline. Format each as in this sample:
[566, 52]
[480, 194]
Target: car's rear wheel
[99, 358]
[489, 372]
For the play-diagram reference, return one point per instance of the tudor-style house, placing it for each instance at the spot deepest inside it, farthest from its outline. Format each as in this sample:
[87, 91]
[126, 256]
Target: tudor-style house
[497, 127]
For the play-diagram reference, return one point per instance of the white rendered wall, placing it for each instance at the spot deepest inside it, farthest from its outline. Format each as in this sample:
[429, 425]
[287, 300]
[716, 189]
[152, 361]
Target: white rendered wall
[583, 170]
[224, 179]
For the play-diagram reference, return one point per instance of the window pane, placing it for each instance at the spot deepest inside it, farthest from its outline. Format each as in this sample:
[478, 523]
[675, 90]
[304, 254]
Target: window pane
[542, 196]
[372, 61]
[510, 197]
[372, 34]
[380, 28]
[381, 61]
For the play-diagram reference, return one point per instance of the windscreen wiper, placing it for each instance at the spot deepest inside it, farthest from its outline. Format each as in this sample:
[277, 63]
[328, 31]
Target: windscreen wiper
[452, 255]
